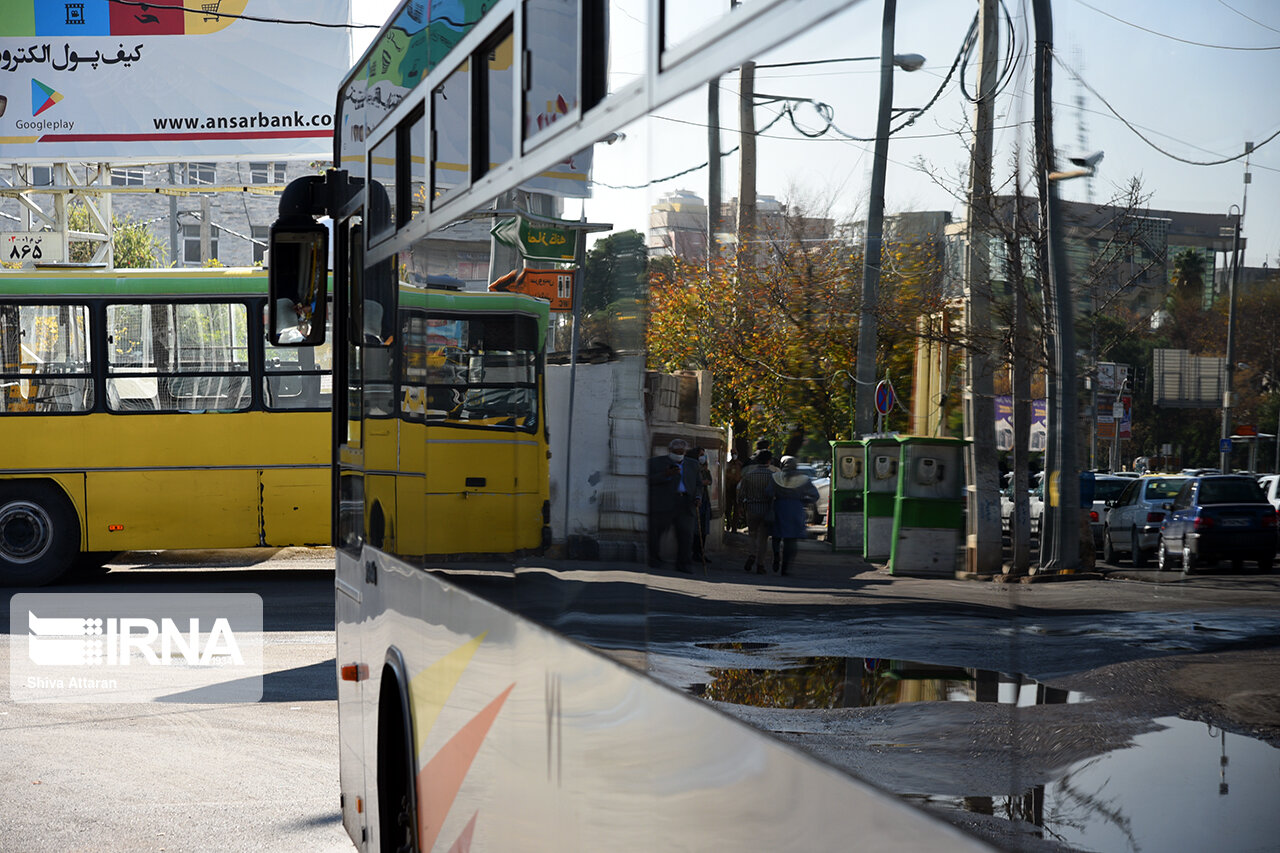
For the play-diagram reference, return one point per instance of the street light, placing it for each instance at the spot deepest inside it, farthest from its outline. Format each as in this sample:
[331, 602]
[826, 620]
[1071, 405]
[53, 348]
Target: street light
[866, 378]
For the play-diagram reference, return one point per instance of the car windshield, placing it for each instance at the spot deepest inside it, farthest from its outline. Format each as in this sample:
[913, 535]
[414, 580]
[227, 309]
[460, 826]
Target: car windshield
[1229, 492]
[1164, 489]
[1108, 490]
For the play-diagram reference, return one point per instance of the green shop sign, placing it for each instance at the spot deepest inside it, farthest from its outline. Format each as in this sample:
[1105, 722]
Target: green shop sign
[532, 240]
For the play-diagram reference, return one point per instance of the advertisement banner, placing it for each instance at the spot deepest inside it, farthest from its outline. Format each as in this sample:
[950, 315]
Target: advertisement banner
[188, 80]
[1004, 424]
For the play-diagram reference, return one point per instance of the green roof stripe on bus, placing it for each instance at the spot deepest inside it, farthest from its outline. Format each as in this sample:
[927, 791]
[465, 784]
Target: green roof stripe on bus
[463, 300]
[133, 282]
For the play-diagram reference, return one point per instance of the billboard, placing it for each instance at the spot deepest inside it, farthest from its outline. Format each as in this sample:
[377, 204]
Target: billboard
[188, 80]
[1039, 437]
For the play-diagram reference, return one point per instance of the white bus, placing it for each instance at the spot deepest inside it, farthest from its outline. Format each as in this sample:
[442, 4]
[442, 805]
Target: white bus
[492, 690]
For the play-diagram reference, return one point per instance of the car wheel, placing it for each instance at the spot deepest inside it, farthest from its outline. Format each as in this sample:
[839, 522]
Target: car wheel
[1162, 556]
[1138, 556]
[1108, 553]
[1188, 560]
[39, 533]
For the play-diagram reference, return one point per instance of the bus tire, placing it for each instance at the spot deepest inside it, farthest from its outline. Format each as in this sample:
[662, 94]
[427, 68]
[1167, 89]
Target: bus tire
[397, 800]
[39, 533]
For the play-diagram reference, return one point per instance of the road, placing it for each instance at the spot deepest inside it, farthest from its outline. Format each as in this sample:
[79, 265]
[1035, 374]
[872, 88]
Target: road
[174, 777]
[1098, 663]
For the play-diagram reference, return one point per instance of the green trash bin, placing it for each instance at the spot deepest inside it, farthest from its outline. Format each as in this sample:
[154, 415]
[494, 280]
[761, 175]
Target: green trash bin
[928, 517]
[880, 476]
[844, 507]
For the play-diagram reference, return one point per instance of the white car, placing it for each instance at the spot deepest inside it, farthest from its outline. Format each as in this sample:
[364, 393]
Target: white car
[1271, 488]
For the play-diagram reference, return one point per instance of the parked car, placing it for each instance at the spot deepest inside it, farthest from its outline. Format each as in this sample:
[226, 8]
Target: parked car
[1133, 519]
[816, 513]
[1218, 517]
[1035, 507]
[1270, 484]
[1106, 487]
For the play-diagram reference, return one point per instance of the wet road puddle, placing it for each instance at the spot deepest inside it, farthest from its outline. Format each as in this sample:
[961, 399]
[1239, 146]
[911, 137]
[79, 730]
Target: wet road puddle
[1185, 787]
[837, 682]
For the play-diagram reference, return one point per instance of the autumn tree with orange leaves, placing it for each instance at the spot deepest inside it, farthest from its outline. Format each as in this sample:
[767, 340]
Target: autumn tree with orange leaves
[777, 327]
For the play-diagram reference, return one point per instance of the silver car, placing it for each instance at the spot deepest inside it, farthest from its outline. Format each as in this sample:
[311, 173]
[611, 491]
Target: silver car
[1133, 520]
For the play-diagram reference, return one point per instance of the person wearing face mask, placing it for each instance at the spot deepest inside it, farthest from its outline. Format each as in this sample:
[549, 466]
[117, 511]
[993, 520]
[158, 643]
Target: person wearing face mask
[673, 503]
[699, 455]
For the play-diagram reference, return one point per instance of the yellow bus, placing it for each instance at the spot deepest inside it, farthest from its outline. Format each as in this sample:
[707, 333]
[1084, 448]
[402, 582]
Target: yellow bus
[145, 410]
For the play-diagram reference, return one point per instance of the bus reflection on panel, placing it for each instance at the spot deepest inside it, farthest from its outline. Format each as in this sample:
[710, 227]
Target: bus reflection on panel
[143, 410]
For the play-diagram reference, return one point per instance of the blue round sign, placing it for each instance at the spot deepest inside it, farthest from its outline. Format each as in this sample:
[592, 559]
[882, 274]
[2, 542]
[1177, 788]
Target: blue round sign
[884, 397]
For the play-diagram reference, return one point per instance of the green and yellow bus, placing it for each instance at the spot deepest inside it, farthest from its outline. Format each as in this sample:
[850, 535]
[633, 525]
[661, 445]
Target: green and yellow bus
[145, 410]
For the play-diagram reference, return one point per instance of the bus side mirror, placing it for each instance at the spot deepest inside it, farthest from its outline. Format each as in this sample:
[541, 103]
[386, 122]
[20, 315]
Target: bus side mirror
[298, 282]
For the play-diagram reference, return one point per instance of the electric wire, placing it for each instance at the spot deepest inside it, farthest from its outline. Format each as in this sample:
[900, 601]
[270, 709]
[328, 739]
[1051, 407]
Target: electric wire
[1143, 137]
[1247, 18]
[188, 10]
[1175, 38]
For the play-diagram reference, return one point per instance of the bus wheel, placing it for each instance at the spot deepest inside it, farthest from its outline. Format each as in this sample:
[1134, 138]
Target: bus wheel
[39, 533]
[397, 805]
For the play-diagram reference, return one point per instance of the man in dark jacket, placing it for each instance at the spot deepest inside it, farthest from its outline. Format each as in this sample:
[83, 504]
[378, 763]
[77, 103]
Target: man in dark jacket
[673, 502]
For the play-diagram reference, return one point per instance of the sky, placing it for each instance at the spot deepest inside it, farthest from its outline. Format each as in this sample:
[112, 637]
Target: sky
[1198, 79]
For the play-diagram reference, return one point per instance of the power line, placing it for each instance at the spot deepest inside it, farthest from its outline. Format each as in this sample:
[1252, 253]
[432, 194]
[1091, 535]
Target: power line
[1173, 38]
[1247, 18]
[303, 23]
[1141, 136]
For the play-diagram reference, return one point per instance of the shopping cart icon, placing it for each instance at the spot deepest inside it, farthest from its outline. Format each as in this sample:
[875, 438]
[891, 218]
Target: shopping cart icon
[211, 9]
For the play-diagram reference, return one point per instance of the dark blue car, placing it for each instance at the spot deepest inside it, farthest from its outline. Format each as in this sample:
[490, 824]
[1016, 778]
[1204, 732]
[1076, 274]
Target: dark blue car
[1218, 517]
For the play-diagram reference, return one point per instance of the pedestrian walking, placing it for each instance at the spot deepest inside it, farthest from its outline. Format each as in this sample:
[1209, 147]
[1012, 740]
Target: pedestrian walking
[699, 455]
[673, 503]
[792, 489]
[732, 476]
[755, 495]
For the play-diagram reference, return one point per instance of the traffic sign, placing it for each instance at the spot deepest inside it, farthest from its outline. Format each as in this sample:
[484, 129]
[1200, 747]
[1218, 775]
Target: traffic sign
[1224, 445]
[555, 286]
[884, 397]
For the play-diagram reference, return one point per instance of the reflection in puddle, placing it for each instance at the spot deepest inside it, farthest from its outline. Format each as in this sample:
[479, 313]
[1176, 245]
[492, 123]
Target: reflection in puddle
[836, 682]
[1187, 787]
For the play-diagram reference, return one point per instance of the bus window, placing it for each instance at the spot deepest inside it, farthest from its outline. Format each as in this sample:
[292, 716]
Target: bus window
[298, 377]
[178, 357]
[45, 359]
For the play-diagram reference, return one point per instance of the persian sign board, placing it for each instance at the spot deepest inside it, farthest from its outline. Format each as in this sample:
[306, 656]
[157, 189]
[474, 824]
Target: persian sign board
[29, 248]
[96, 80]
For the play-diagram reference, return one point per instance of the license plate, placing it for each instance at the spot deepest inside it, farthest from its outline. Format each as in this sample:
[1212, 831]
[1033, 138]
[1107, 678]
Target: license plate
[1235, 522]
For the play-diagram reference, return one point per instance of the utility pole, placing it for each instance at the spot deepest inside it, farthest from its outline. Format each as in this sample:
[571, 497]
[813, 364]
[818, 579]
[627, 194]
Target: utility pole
[1060, 531]
[982, 546]
[1224, 454]
[1020, 523]
[867, 333]
[746, 224]
[714, 191]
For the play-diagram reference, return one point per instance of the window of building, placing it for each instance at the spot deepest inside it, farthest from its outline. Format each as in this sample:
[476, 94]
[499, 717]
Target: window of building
[200, 173]
[259, 233]
[127, 177]
[266, 173]
[191, 244]
[40, 176]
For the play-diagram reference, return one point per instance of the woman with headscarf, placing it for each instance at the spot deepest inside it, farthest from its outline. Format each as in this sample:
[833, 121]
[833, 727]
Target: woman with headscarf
[791, 491]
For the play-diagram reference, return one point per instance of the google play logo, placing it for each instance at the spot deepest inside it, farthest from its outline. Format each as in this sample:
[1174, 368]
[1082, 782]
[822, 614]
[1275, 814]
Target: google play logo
[42, 97]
